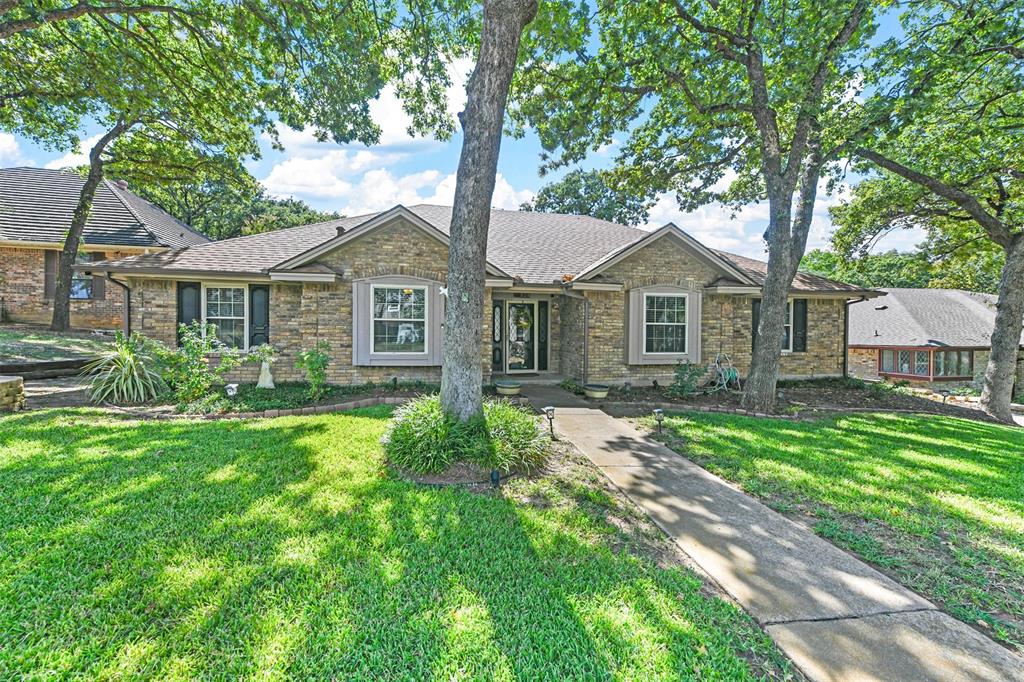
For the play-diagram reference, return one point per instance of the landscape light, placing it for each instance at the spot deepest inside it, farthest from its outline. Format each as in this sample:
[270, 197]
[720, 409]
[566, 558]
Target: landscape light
[549, 412]
[231, 390]
[659, 416]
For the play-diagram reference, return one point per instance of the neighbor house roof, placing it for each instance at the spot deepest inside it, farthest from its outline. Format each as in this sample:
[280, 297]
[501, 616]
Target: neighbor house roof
[37, 205]
[924, 317]
[538, 248]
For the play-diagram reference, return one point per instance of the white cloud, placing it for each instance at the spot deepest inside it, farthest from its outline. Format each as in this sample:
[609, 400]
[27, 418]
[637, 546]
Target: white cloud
[80, 157]
[10, 151]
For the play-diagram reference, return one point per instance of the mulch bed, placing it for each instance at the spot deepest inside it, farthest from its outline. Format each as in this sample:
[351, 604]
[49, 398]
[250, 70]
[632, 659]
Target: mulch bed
[807, 400]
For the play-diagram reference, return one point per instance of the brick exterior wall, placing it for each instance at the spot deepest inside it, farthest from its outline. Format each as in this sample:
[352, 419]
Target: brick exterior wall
[303, 314]
[864, 365]
[22, 276]
[726, 322]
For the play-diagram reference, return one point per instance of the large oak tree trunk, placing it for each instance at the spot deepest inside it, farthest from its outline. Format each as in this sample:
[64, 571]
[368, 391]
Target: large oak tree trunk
[61, 320]
[996, 394]
[482, 123]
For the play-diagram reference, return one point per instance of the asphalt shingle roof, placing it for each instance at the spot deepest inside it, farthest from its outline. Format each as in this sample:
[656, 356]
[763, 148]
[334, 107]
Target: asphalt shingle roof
[924, 317]
[37, 204]
[539, 248]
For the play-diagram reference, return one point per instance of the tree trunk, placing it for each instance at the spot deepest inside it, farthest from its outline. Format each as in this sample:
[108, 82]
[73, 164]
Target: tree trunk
[482, 122]
[61, 320]
[759, 389]
[996, 395]
[787, 240]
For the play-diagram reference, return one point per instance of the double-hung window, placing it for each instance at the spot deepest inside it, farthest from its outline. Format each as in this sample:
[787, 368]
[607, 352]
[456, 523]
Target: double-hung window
[81, 283]
[787, 328]
[665, 323]
[224, 307]
[399, 322]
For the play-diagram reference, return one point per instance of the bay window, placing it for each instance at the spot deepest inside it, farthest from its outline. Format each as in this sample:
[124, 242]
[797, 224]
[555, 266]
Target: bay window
[927, 363]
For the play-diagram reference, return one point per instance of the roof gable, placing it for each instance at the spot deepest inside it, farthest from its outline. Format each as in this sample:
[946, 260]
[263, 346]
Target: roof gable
[670, 230]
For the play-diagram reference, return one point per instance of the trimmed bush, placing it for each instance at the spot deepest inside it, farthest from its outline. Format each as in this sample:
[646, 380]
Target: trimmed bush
[423, 439]
[127, 374]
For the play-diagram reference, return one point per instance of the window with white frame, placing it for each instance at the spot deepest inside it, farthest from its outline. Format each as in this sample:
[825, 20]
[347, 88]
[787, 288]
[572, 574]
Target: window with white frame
[665, 323]
[81, 283]
[224, 307]
[399, 322]
[787, 328]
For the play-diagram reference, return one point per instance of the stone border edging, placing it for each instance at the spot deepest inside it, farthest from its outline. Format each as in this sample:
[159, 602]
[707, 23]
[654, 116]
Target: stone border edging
[269, 414]
[677, 407]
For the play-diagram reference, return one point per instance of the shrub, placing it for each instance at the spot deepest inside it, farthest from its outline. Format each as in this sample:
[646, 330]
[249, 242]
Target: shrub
[262, 353]
[572, 386]
[423, 439]
[687, 376]
[188, 369]
[314, 362]
[127, 374]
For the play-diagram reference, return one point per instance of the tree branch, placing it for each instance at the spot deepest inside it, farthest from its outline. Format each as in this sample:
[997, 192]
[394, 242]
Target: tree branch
[997, 231]
[9, 28]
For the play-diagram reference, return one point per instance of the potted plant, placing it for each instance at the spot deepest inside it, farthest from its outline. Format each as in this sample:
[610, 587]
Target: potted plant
[596, 390]
[507, 387]
[265, 355]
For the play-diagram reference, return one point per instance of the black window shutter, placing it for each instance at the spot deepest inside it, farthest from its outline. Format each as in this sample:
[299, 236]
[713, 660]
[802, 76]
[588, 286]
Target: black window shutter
[99, 284]
[755, 307]
[50, 259]
[259, 314]
[800, 325]
[188, 302]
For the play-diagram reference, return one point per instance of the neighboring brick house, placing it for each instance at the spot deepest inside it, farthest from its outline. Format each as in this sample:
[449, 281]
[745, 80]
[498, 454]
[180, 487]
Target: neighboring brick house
[36, 207]
[566, 296]
[929, 337]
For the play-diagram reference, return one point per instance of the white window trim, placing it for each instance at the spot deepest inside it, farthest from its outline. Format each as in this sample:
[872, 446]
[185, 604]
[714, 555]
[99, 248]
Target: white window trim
[245, 311]
[685, 325]
[789, 337]
[425, 320]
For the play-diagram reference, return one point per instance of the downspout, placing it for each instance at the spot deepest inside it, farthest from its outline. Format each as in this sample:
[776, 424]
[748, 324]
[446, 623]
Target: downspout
[127, 303]
[846, 334]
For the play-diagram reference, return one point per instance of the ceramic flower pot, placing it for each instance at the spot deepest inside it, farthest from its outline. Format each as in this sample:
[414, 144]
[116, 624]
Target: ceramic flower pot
[596, 390]
[507, 387]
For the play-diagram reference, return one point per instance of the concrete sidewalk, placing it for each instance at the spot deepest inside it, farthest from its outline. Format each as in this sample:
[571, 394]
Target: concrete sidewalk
[833, 615]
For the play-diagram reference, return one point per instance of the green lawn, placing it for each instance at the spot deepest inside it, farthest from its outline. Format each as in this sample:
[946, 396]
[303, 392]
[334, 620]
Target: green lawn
[20, 345]
[936, 501]
[283, 548]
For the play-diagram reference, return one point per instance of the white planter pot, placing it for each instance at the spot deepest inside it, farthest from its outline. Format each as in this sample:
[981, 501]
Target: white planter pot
[595, 391]
[509, 388]
[266, 379]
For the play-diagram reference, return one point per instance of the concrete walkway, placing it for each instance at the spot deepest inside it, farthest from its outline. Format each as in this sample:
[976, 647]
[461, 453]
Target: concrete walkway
[833, 615]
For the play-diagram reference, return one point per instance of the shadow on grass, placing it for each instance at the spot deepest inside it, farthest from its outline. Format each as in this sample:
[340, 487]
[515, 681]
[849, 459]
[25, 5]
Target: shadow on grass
[283, 547]
[937, 500]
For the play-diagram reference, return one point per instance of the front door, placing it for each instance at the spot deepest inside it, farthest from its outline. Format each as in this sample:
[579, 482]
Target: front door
[522, 336]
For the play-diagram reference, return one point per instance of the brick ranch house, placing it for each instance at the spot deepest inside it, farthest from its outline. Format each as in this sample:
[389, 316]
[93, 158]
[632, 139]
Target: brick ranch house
[36, 207]
[938, 338]
[566, 296]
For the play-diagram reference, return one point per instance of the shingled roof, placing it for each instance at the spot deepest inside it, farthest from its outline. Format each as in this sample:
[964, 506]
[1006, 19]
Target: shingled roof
[37, 204]
[538, 248]
[925, 317]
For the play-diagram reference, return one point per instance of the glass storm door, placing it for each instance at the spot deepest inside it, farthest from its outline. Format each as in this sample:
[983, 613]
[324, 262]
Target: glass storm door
[522, 337]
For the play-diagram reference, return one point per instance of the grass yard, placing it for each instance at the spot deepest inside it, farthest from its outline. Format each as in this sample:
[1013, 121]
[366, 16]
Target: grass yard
[284, 548]
[938, 502]
[26, 345]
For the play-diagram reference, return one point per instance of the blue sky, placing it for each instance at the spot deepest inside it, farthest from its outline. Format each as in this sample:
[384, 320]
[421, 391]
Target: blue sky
[354, 179]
